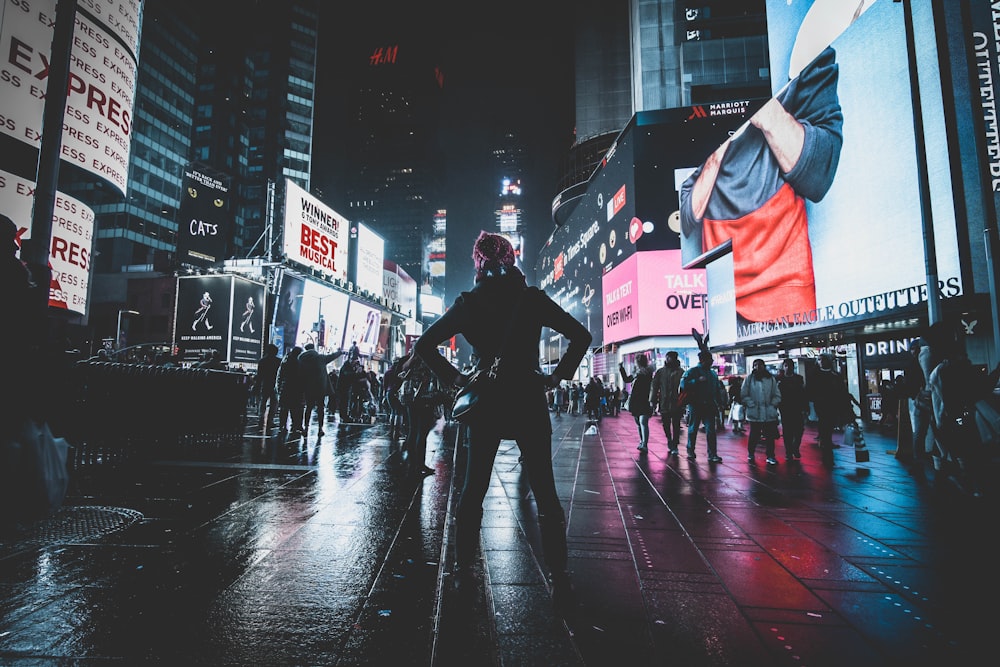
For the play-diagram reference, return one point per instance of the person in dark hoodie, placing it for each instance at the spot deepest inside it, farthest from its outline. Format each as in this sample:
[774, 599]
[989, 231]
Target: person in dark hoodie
[501, 316]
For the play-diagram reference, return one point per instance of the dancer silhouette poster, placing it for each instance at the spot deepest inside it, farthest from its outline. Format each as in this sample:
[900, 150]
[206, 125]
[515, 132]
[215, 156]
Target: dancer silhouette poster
[247, 331]
[203, 318]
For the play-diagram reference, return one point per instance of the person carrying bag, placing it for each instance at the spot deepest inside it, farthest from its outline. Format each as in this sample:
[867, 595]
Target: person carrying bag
[500, 299]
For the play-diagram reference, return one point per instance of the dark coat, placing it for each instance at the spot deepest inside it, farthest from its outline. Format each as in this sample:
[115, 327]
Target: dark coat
[315, 379]
[481, 316]
[638, 398]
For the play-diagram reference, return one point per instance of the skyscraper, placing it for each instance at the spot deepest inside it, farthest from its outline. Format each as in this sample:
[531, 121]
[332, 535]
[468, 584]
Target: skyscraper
[394, 173]
[255, 107]
[643, 55]
[238, 109]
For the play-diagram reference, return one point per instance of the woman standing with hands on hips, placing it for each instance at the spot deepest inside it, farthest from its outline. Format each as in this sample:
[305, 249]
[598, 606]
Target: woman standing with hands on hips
[501, 314]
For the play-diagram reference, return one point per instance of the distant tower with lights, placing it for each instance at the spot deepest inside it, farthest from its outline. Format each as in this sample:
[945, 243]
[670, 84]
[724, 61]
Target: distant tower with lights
[508, 162]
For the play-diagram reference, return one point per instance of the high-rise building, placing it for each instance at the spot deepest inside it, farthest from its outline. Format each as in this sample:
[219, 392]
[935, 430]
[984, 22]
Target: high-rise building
[508, 156]
[237, 110]
[643, 55]
[255, 108]
[394, 179]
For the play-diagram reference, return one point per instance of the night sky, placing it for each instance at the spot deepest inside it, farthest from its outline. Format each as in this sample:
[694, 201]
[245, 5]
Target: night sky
[509, 69]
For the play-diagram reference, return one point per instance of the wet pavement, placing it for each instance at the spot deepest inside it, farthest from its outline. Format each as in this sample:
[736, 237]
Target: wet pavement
[327, 550]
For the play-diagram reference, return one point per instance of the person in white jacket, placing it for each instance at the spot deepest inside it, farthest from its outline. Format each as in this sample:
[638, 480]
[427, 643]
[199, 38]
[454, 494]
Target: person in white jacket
[760, 397]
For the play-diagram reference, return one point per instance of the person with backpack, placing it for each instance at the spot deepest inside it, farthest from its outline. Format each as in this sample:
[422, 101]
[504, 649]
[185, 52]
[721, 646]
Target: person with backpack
[701, 386]
[664, 392]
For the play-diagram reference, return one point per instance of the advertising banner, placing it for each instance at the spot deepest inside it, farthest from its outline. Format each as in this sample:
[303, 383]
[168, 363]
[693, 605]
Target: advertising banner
[362, 327]
[102, 75]
[649, 294]
[816, 198]
[371, 255]
[203, 321]
[315, 235]
[247, 331]
[70, 246]
[204, 219]
[286, 310]
[321, 317]
[399, 288]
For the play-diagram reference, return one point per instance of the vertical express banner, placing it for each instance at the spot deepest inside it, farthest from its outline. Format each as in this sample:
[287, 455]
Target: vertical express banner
[97, 131]
[204, 221]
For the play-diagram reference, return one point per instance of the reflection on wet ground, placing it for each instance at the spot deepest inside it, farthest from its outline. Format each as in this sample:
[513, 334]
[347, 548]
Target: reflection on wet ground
[254, 550]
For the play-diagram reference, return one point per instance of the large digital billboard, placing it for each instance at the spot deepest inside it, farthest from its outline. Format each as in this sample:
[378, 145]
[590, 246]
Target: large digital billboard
[222, 314]
[315, 235]
[815, 201]
[362, 327]
[649, 294]
[631, 206]
[371, 255]
[204, 219]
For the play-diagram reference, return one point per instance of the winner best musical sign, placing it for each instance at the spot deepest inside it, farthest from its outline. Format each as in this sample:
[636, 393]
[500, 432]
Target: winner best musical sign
[102, 74]
[315, 234]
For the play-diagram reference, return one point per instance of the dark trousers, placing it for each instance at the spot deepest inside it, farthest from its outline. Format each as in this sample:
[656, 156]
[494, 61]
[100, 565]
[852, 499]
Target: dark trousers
[291, 411]
[314, 403]
[672, 427]
[536, 455]
[267, 409]
[422, 419]
[707, 415]
[765, 431]
[792, 428]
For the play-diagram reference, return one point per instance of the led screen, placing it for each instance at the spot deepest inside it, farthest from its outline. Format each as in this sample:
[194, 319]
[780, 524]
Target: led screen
[817, 198]
[315, 234]
[363, 322]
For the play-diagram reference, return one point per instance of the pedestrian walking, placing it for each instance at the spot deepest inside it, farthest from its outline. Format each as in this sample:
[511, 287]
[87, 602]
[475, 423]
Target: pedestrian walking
[426, 403]
[265, 386]
[315, 383]
[665, 389]
[793, 409]
[501, 314]
[735, 405]
[638, 400]
[291, 395]
[702, 386]
[760, 397]
[833, 404]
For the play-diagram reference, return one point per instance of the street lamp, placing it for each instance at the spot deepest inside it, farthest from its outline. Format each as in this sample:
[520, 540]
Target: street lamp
[121, 312]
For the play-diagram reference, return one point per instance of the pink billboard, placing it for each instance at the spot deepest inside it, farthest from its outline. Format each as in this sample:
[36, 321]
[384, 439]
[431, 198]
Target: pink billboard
[649, 294]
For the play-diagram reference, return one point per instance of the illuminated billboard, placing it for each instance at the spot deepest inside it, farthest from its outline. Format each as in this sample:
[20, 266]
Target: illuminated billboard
[399, 288]
[649, 294]
[813, 204]
[222, 314]
[97, 128]
[204, 219]
[371, 255]
[362, 328]
[315, 235]
[71, 243]
[307, 311]
[630, 206]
